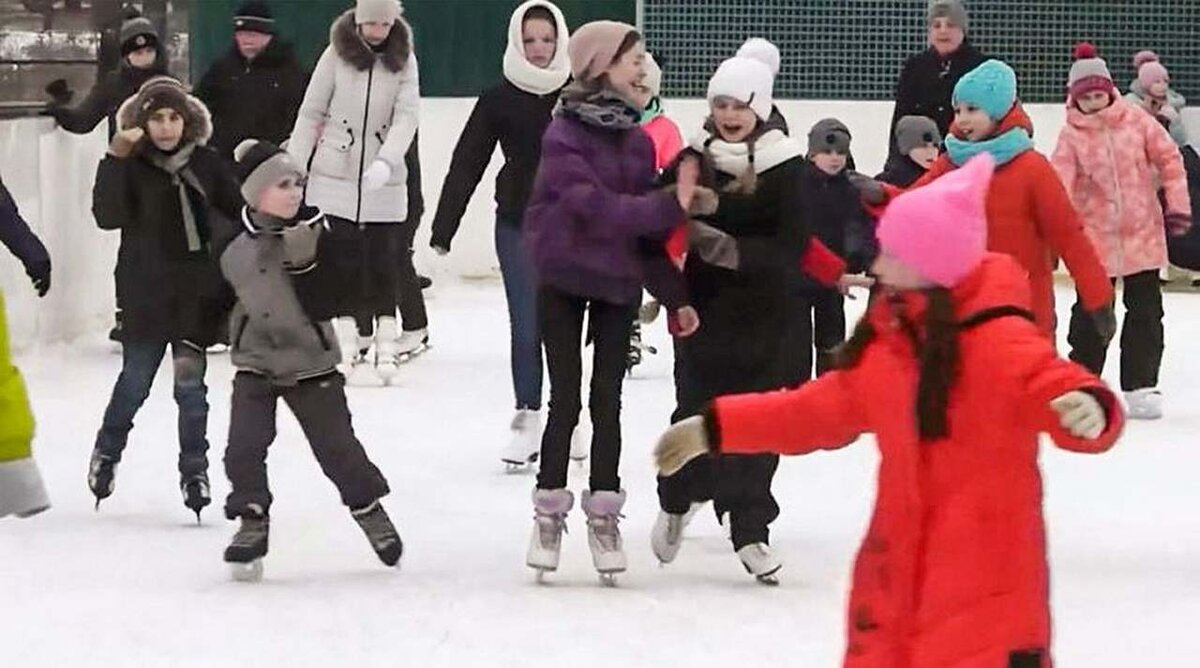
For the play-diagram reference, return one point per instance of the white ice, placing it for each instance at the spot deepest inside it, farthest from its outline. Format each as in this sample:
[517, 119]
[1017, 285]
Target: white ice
[140, 584]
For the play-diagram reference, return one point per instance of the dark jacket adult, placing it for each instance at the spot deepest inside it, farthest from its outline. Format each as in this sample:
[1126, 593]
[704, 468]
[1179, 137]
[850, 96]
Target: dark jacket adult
[168, 283]
[281, 327]
[22, 242]
[106, 97]
[833, 207]
[253, 99]
[900, 171]
[516, 120]
[596, 224]
[926, 86]
[747, 340]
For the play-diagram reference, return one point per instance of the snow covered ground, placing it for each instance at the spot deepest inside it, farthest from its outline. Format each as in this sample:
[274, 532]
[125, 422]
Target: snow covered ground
[139, 584]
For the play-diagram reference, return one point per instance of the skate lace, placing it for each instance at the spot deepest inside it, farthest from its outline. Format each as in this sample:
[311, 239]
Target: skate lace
[551, 527]
[607, 530]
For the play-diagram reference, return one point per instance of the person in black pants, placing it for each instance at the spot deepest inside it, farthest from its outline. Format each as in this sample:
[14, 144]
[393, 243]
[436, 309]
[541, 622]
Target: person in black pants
[284, 348]
[414, 320]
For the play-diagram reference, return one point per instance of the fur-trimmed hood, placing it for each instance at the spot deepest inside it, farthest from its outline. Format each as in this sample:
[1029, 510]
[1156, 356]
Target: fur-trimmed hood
[351, 47]
[196, 130]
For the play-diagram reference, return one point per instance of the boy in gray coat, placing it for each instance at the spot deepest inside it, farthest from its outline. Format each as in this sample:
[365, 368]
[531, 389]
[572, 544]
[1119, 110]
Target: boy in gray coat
[283, 347]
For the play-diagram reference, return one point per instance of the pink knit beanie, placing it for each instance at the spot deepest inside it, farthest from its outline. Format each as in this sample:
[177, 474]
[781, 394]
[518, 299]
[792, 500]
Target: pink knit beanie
[1150, 69]
[940, 230]
[594, 46]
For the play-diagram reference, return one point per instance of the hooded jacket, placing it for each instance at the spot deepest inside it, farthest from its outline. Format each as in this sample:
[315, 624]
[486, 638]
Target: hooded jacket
[360, 106]
[952, 572]
[237, 91]
[1112, 163]
[168, 283]
[514, 114]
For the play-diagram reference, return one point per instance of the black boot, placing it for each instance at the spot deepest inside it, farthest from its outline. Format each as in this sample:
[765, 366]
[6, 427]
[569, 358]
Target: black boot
[250, 541]
[381, 532]
[102, 475]
[195, 492]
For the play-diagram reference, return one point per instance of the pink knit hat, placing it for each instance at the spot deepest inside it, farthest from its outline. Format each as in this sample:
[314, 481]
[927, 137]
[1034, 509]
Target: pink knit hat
[1150, 69]
[940, 230]
[594, 47]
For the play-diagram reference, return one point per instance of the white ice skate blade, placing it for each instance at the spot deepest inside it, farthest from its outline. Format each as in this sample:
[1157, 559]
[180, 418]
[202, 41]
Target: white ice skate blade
[609, 579]
[363, 375]
[247, 572]
[771, 580]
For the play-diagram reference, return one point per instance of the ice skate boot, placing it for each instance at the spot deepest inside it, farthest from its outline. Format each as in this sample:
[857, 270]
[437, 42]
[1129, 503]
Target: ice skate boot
[102, 476]
[387, 357]
[550, 508]
[411, 345]
[196, 494]
[380, 532]
[761, 562]
[526, 441]
[249, 545]
[362, 371]
[603, 510]
[1144, 404]
[667, 536]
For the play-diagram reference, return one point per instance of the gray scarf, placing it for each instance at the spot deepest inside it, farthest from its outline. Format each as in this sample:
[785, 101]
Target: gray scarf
[176, 165]
[599, 108]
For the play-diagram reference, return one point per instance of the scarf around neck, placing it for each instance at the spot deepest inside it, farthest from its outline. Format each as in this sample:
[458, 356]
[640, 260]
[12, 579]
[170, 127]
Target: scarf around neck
[770, 149]
[601, 109]
[176, 165]
[1003, 147]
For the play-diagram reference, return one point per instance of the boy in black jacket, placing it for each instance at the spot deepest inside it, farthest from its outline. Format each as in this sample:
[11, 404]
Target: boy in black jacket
[163, 188]
[918, 143]
[284, 347]
[833, 206]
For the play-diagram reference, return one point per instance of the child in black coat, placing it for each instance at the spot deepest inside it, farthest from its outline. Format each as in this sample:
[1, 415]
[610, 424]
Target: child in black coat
[919, 143]
[833, 207]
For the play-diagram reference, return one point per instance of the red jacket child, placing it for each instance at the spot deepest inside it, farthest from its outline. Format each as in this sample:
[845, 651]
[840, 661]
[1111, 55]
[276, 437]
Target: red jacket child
[1029, 214]
[956, 383]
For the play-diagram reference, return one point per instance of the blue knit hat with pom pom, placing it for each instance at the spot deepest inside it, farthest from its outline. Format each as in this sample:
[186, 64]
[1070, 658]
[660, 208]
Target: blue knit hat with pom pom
[992, 87]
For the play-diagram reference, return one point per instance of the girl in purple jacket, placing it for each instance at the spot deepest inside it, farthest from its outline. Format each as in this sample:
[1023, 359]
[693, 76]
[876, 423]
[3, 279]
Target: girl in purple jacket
[595, 227]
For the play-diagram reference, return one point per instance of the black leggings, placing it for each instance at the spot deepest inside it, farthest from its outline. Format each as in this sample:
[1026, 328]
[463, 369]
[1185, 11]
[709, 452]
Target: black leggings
[363, 260]
[560, 316]
[408, 291]
[1141, 334]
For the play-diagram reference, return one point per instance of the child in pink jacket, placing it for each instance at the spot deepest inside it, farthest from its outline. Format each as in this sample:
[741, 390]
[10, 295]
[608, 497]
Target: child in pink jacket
[1113, 158]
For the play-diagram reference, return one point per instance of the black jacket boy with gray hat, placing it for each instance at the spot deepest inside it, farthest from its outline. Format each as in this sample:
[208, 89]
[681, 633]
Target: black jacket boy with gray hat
[283, 346]
[912, 132]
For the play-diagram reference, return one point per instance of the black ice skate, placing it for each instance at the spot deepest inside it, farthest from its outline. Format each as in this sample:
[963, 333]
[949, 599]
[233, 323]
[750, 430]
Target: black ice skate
[380, 532]
[102, 476]
[196, 493]
[249, 545]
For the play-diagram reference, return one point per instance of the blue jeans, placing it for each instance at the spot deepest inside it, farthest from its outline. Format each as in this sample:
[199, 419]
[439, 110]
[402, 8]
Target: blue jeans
[140, 363]
[520, 288]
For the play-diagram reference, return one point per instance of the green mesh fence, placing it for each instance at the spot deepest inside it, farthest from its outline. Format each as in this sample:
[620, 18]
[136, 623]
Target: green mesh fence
[853, 49]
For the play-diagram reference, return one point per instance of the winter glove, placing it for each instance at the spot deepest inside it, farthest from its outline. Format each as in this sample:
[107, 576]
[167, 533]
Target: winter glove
[39, 273]
[60, 93]
[376, 176]
[869, 189]
[440, 250]
[1080, 414]
[1178, 224]
[683, 322]
[1106, 323]
[300, 246]
[704, 201]
[680, 444]
[713, 246]
[124, 142]
[649, 311]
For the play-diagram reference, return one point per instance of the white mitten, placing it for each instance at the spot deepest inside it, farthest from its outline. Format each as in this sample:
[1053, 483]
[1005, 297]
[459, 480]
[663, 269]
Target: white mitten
[680, 444]
[1080, 414]
[377, 175]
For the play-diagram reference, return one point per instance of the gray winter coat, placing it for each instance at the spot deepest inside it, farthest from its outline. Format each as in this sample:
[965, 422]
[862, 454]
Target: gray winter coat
[274, 333]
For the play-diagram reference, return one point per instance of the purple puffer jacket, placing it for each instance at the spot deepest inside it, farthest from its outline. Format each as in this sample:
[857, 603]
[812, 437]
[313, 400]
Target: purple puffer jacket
[596, 224]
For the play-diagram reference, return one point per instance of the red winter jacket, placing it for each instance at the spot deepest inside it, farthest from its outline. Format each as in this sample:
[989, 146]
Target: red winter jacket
[1030, 217]
[952, 572]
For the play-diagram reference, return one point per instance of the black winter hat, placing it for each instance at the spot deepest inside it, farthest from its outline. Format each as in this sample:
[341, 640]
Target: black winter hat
[137, 33]
[260, 165]
[254, 16]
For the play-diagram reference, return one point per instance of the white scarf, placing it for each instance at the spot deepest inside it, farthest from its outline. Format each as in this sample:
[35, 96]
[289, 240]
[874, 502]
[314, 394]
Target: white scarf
[526, 76]
[772, 149]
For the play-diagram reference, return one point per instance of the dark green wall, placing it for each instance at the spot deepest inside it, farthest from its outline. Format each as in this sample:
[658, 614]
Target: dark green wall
[459, 42]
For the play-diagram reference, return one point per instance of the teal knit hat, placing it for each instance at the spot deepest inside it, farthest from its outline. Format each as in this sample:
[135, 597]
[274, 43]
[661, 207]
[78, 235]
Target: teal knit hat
[992, 87]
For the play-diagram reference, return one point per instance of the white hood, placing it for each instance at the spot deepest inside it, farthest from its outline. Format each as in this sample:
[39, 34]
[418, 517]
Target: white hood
[519, 71]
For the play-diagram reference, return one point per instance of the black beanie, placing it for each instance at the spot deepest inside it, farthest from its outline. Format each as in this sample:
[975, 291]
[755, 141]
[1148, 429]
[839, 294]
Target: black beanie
[254, 16]
[137, 33]
[260, 165]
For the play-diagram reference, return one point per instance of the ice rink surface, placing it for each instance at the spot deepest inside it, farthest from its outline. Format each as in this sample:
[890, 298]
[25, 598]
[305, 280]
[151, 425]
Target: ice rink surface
[140, 584]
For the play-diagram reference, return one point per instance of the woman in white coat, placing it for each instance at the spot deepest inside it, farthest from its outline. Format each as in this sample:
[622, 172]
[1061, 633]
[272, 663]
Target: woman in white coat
[357, 121]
